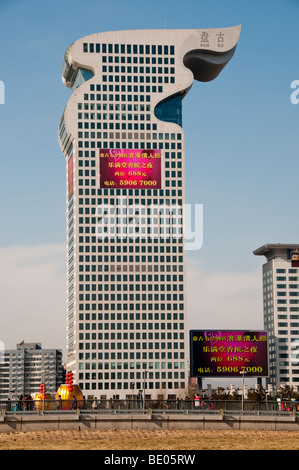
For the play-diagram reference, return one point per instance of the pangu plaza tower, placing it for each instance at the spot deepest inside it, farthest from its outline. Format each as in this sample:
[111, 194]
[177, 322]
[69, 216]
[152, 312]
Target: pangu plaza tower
[122, 138]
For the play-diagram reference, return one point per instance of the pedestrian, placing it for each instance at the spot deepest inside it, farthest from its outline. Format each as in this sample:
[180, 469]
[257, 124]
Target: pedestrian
[59, 403]
[94, 404]
[74, 403]
[20, 403]
[196, 401]
[8, 405]
[188, 402]
[29, 403]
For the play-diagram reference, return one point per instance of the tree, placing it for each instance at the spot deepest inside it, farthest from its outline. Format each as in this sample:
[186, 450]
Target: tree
[258, 394]
[288, 393]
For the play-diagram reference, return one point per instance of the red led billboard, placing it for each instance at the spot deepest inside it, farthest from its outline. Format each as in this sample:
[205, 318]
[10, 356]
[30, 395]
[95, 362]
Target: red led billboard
[228, 353]
[129, 168]
[295, 259]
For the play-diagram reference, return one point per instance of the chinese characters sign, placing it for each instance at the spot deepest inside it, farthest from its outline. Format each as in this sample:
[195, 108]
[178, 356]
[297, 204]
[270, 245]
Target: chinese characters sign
[205, 40]
[130, 169]
[228, 353]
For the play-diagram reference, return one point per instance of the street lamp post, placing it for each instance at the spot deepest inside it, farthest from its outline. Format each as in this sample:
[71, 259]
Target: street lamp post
[144, 385]
[132, 388]
[243, 391]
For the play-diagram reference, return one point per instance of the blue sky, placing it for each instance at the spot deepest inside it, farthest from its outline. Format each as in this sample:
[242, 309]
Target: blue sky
[242, 144]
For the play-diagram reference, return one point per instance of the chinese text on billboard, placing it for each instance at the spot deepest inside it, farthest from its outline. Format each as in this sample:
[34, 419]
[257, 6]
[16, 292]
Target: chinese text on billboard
[228, 353]
[130, 169]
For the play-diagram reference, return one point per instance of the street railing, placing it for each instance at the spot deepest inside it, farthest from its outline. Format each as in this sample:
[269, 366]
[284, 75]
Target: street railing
[114, 406]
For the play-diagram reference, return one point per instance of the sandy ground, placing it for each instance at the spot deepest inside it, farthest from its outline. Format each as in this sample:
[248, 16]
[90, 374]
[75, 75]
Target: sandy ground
[150, 440]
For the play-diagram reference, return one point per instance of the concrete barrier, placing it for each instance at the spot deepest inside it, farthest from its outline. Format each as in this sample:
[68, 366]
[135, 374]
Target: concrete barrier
[148, 421]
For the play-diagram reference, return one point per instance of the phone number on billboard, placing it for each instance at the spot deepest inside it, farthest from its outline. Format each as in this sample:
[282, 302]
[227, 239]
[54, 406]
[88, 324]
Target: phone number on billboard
[252, 369]
[141, 182]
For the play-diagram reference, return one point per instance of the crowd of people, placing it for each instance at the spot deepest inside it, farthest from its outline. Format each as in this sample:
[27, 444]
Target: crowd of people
[24, 403]
[27, 403]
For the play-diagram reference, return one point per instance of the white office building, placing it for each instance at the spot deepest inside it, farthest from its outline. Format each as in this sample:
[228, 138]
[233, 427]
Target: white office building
[121, 134]
[24, 369]
[281, 312]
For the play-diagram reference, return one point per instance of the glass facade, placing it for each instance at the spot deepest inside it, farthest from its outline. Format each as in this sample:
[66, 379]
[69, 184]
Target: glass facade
[170, 110]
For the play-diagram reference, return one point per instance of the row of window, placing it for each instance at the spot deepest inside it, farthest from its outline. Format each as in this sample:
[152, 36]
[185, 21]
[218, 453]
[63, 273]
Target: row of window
[153, 192]
[139, 79]
[283, 278]
[130, 316]
[129, 201]
[124, 145]
[290, 286]
[284, 309]
[284, 317]
[286, 332]
[138, 70]
[125, 306]
[291, 270]
[124, 88]
[104, 135]
[134, 297]
[281, 271]
[135, 326]
[113, 106]
[132, 335]
[124, 278]
[129, 268]
[128, 49]
[126, 297]
[149, 136]
[130, 258]
[128, 385]
[131, 249]
[284, 293]
[163, 355]
[110, 59]
[130, 346]
[132, 375]
[145, 215]
[124, 97]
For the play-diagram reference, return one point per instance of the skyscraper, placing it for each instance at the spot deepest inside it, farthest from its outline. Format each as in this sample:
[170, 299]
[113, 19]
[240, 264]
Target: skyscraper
[121, 134]
[281, 311]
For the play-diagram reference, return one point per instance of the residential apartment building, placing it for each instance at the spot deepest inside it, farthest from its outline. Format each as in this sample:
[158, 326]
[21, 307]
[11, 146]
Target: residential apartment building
[281, 311]
[122, 138]
[22, 370]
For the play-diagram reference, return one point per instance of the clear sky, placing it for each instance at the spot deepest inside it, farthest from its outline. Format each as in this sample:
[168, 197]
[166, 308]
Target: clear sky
[242, 144]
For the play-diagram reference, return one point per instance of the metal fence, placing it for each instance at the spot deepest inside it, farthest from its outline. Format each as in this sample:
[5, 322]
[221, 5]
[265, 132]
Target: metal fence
[146, 406]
